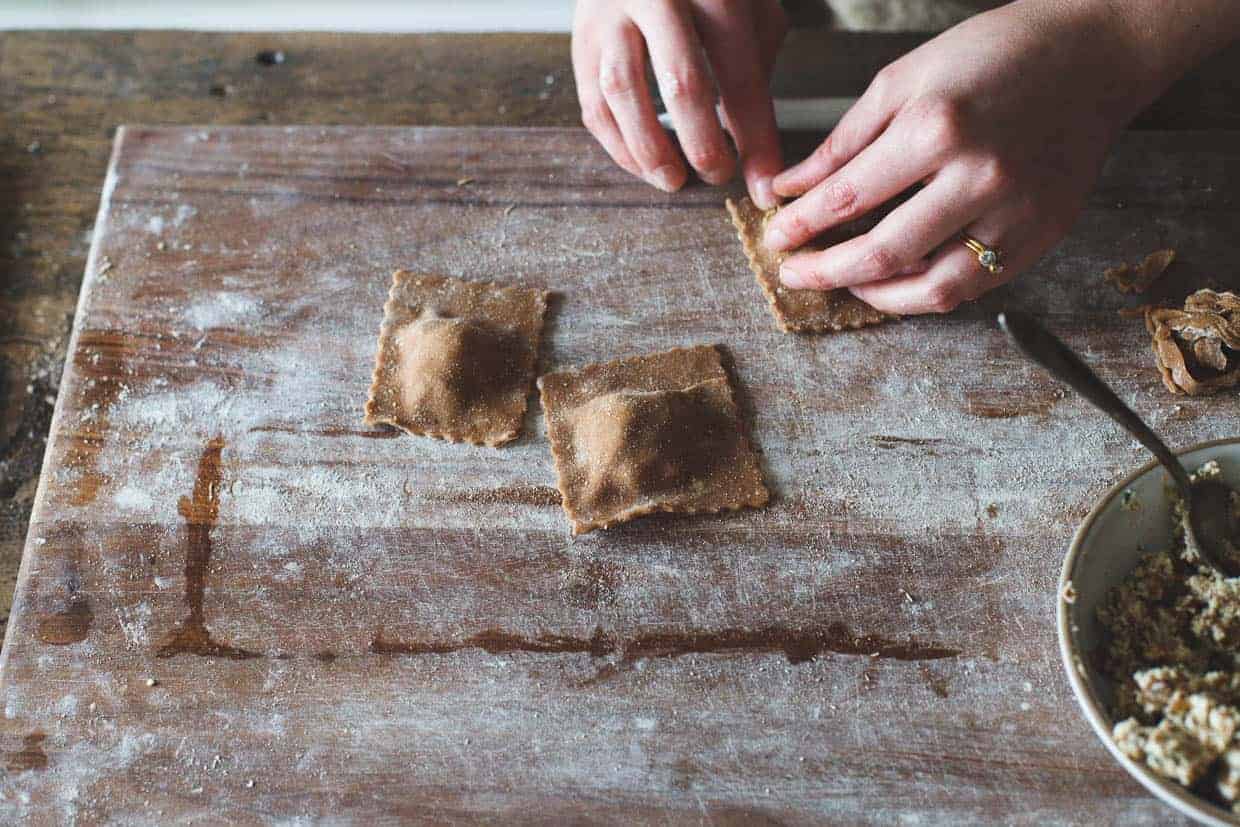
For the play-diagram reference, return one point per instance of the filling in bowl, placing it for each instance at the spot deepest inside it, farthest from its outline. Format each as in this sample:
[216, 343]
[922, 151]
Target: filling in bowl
[1173, 656]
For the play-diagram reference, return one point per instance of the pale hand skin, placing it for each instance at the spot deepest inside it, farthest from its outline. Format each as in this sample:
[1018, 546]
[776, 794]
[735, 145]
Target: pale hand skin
[1002, 122]
[701, 51]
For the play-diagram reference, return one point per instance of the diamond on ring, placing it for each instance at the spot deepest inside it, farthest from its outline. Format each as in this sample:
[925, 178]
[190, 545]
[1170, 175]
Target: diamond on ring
[987, 257]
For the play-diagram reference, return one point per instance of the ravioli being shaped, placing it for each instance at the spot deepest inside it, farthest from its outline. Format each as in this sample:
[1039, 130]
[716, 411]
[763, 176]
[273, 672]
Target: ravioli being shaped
[796, 311]
[646, 434]
[456, 359]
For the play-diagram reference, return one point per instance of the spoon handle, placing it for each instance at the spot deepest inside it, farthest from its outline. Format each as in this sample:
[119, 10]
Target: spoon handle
[1047, 350]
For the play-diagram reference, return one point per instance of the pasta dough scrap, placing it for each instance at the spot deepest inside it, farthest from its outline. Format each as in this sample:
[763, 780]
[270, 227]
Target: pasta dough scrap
[649, 433]
[1197, 349]
[796, 311]
[1130, 280]
[456, 358]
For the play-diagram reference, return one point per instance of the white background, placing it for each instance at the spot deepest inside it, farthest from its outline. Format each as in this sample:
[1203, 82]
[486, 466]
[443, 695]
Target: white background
[289, 15]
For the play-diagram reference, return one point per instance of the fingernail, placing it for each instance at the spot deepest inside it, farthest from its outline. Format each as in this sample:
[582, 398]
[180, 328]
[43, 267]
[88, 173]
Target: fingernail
[776, 239]
[791, 278]
[763, 195]
[666, 178]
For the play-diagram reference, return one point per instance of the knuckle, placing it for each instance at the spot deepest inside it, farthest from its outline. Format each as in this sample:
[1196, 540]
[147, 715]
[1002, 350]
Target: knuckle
[942, 297]
[683, 84]
[710, 157]
[839, 198]
[818, 281]
[649, 154]
[651, 149]
[942, 125]
[811, 271]
[882, 83]
[616, 79]
[879, 260]
[796, 227]
[826, 152]
[995, 177]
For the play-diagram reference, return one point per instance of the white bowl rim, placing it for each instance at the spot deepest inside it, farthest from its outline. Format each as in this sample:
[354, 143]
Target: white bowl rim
[1179, 798]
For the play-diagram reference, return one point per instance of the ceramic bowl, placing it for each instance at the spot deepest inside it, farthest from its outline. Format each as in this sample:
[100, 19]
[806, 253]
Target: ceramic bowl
[1133, 517]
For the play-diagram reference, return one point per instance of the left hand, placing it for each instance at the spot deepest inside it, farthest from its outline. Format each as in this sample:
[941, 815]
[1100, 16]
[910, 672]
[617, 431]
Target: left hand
[1004, 120]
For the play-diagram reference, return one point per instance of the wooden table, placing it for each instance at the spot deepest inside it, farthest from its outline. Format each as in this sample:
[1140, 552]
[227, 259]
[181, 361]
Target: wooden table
[979, 569]
[239, 603]
[63, 93]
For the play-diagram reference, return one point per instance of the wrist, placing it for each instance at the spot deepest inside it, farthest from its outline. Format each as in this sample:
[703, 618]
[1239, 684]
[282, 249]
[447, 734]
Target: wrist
[1145, 46]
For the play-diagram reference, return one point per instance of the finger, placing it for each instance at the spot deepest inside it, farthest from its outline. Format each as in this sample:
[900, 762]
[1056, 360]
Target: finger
[864, 121]
[622, 80]
[882, 171]
[595, 114]
[728, 36]
[687, 89]
[904, 237]
[954, 276]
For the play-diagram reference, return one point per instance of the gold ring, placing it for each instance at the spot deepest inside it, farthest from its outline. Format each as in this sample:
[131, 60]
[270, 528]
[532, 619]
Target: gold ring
[989, 258]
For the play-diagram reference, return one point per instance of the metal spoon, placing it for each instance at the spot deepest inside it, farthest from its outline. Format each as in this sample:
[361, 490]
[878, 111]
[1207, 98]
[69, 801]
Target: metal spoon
[1209, 523]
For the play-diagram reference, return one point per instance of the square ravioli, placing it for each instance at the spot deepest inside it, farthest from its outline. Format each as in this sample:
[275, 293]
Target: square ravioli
[456, 358]
[649, 433]
[796, 311]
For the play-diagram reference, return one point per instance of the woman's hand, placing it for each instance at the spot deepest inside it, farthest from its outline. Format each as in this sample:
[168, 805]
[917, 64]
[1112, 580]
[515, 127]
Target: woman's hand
[701, 51]
[1003, 121]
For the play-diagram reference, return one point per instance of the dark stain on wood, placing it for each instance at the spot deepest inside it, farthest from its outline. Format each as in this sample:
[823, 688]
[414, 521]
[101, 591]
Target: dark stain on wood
[536, 495]
[885, 441]
[741, 817]
[200, 511]
[31, 756]
[100, 386]
[331, 433]
[798, 645]
[69, 625]
[498, 642]
[995, 404]
[163, 76]
[67, 620]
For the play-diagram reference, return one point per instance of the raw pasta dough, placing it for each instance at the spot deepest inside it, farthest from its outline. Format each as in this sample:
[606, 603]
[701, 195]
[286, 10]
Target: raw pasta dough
[456, 358]
[1196, 348]
[649, 433]
[797, 311]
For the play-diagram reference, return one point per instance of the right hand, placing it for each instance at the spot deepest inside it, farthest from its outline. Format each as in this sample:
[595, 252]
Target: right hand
[693, 46]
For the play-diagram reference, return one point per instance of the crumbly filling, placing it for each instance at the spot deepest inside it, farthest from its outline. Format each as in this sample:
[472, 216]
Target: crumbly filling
[1174, 659]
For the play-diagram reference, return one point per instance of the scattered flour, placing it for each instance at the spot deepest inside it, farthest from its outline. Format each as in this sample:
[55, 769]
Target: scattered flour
[131, 498]
[215, 310]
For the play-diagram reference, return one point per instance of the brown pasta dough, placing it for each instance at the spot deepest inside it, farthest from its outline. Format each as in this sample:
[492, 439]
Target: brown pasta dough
[1197, 349]
[456, 358]
[796, 311]
[646, 434]
[1130, 279]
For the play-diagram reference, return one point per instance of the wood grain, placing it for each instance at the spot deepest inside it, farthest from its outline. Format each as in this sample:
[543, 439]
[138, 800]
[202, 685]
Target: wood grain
[64, 93]
[229, 579]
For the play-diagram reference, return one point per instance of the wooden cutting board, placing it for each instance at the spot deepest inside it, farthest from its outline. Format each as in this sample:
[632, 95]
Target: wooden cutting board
[238, 603]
